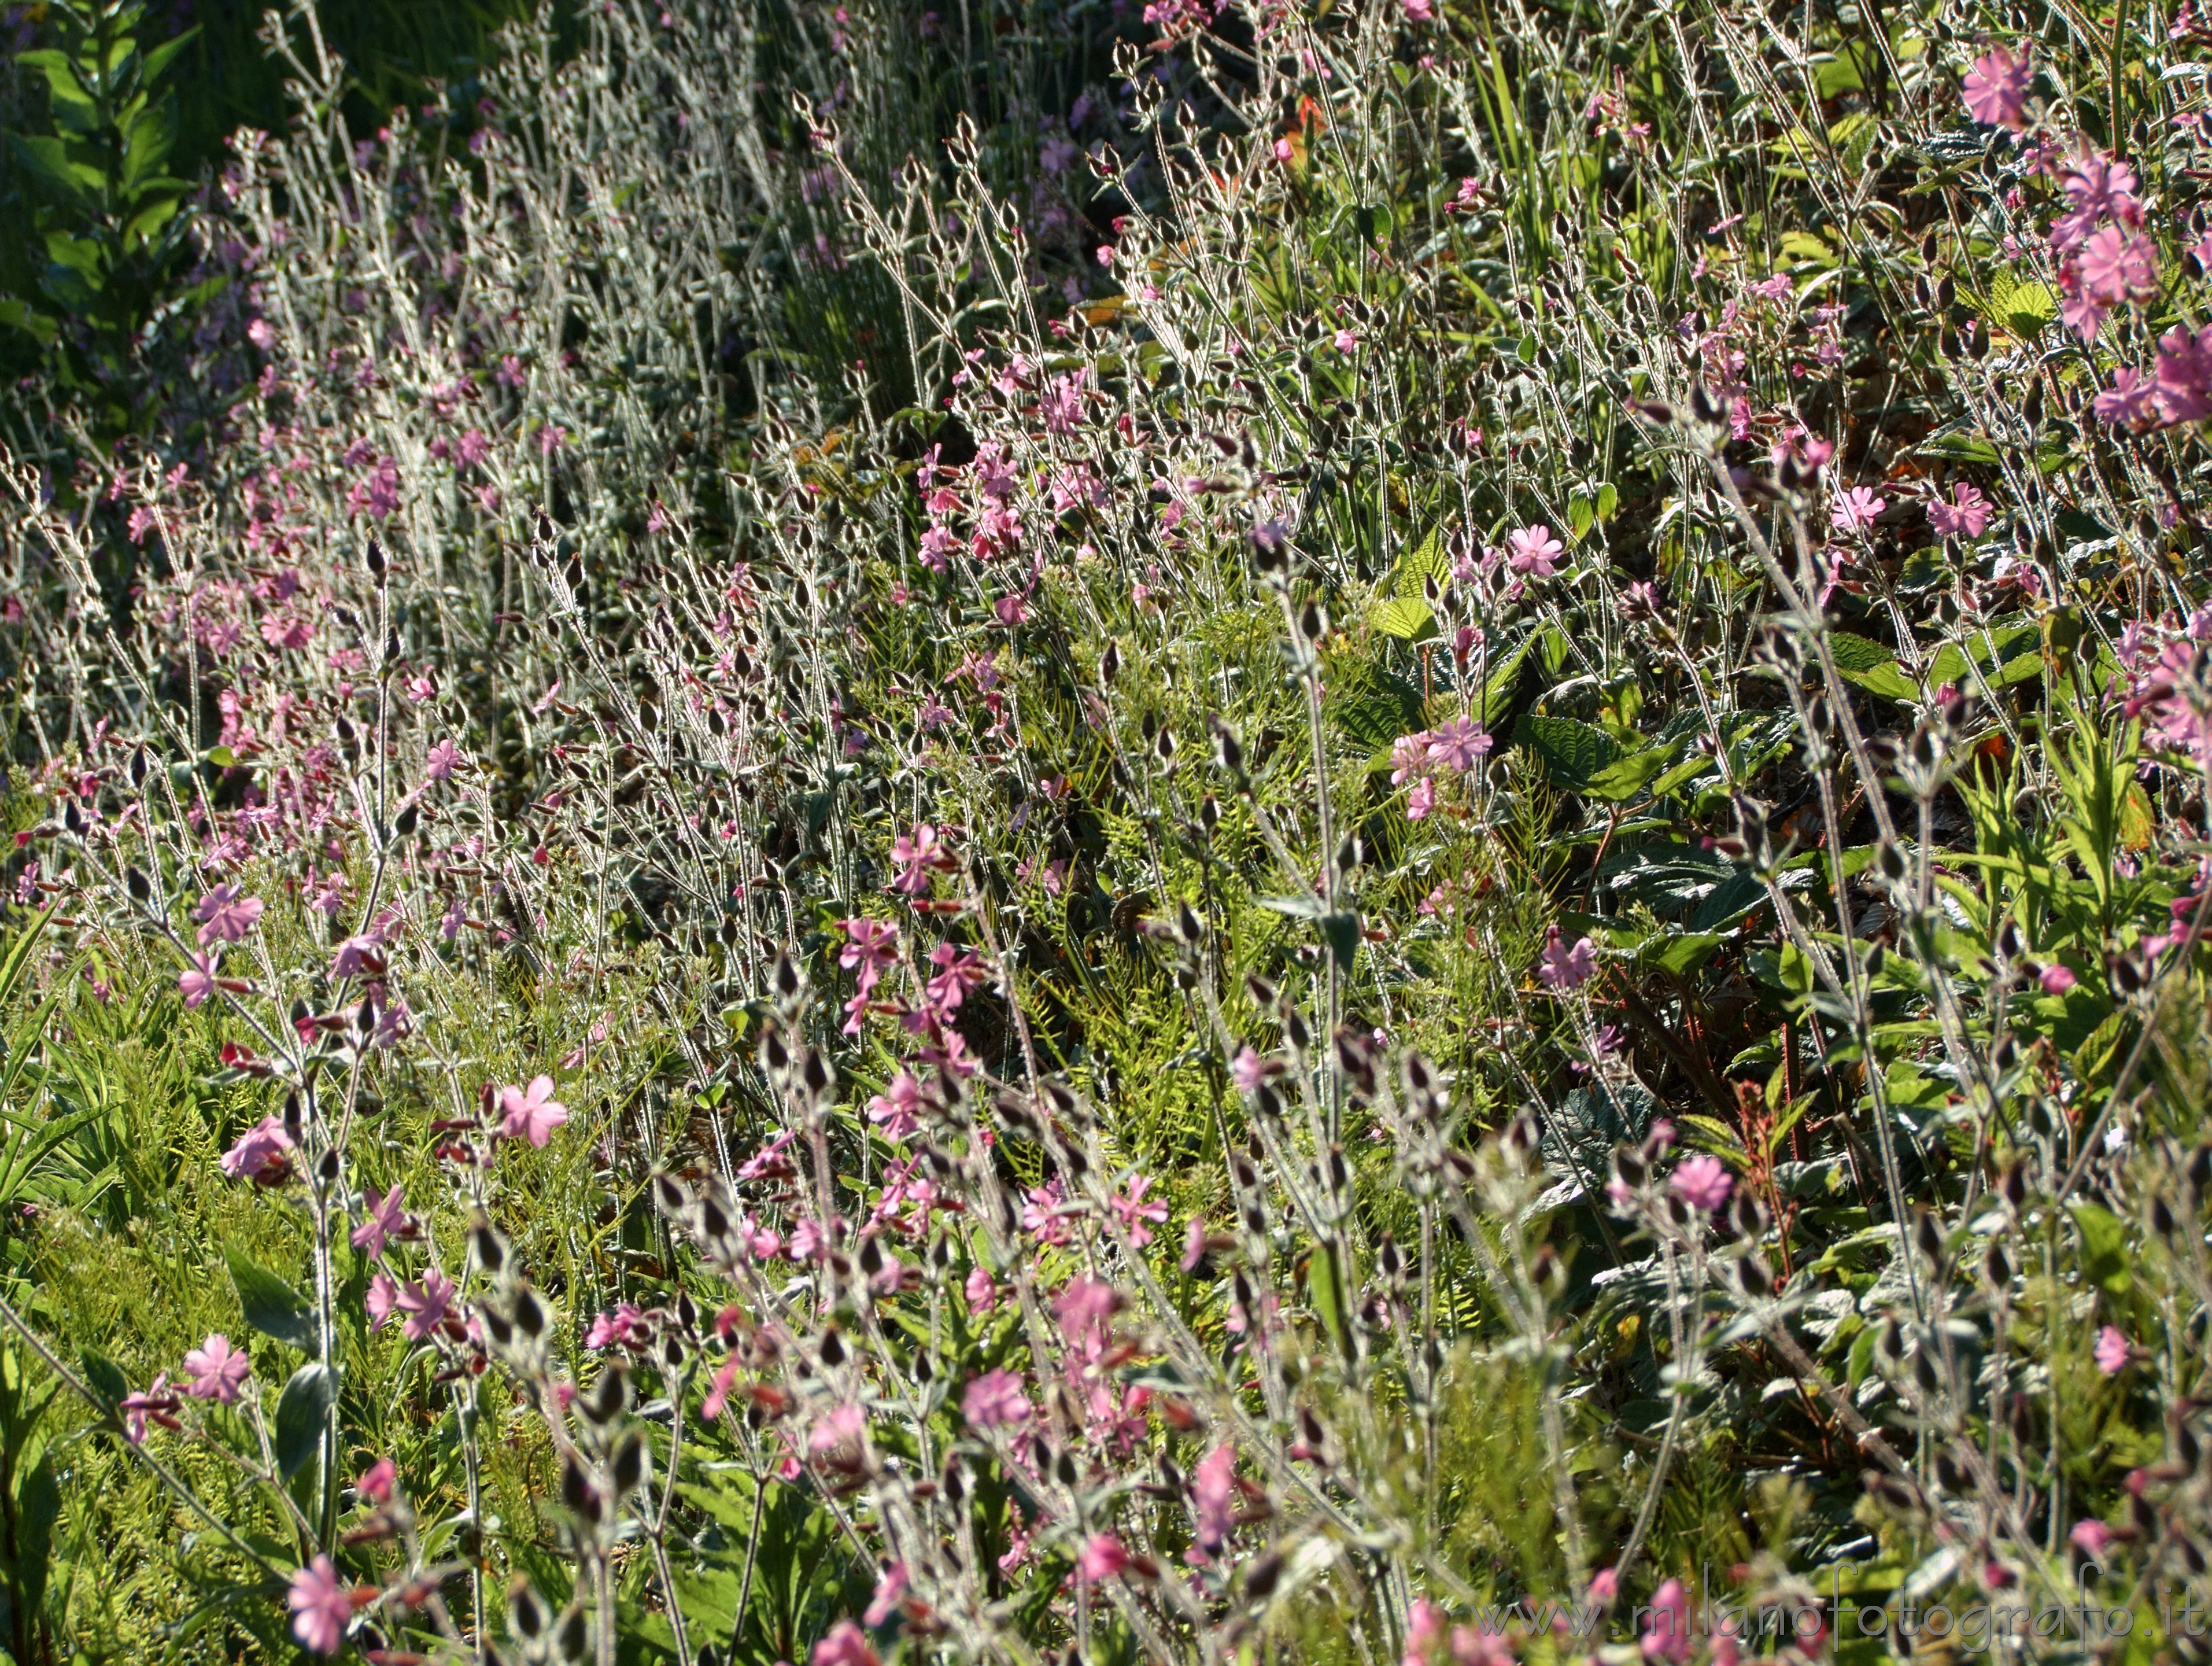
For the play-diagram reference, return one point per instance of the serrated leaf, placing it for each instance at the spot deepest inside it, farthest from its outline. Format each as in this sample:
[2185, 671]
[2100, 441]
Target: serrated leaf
[1869, 666]
[1572, 753]
[1414, 621]
[301, 1411]
[271, 1305]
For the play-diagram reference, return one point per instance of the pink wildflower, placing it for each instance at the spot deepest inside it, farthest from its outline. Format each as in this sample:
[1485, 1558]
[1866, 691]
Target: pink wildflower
[893, 1109]
[916, 855]
[225, 916]
[259, 1151]
[216, 1370]
[2117, 265]
[995, 1400]
[1458, 745]
[1703, 1183]
[2057, 979]
[386, 1218]
[1967, 514]
[376, 1482]
[2112, 1351]
[531, 1115]
[890, 1587]
[438, 765]
[847, 1645]
[1667, 1625]
[1102, 1558]
[1534, 550]
[197, 982]
[321, 1607]
[1135, 1212]
[425, 1305]
[1213, 1492]
[1562, 968]
[382, 1300]
[2090, 1536]
[982, 1291]
[1996, 88]
[1855, 509]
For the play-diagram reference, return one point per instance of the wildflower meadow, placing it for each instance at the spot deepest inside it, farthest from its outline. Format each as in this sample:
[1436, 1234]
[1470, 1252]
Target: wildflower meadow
[1363, 832]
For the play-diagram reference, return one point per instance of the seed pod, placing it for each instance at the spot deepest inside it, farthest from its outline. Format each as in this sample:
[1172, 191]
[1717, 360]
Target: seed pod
[1261, 1576]
[575, 1637]
[578, 1495]
[1996, 1268]
[608, 1395]
[626, 1470]
[529, 1314]
[524, 1609]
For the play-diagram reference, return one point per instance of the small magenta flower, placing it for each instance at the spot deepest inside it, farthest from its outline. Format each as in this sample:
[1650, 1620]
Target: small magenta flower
[225, 916]
[1129, 1204]
[322, 1607]
[382, 1300]
[893, 1109]
[2091, 1537]
[916, 855]
[531, 1113]
[442, 759]
[1703, 1183]
[1459, 744]
[2117, 265]
[2057, 979]
[1855, 509]
[197, 982]
[358, 957]
[1667, 1628]
[995, 1400]
[2113, 1351]
[376, 1482]
[1996, 88]
[216, 1370]
[1102, 1558]
[1967, 515]
[982, 1291]
[387, 1218]
[156, 1404]
[1562, 968]
[1213, 1493]
[1533, 549]
[890, 1588]
[259, 1151]
[847, 1645]
[425, 1305]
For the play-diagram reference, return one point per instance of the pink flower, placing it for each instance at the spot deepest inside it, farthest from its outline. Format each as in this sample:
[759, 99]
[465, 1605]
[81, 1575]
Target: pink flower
[995, 1400]
[1534, 550]
[1604, 1585]
[1562, 968]
[321, 1607]
[382, 1300]
[2091, 1537]
[2184, 375]
[2112, 1351]
[1135, 1212]
[531, 1115]
[386, 1218]
[1247, 1070]
[614, 1327]
[1703, 1183]
[2117, 265]
[1102, 1558]
[1459, 744]
[1213, 1492]
[916, 855]
[217, 1370]
[1409, 759]
[155, 1403]
[1995, 88]
[226, 916]
[1967, 514]
[438, 765]
[375, 1483]
[1424, 1629]
[1421, 801]
[982, 1291]
[845, 1645]
[358, 957]
[2057, 979]
[425, 1305]
[871, 950]
[259, 1150]
[890, 1586]
[1855, 509]
[196, 983]
[2130, 402]
[1667, 1630]
[893, 1109]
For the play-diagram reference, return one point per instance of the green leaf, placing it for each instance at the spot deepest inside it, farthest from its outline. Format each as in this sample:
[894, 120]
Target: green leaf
[2104, 1247]
[1960, 445]
[1415, 621]
[1871, 666]
[1325, 1283]
[301, 1414]
[1582, 515]
[48, 159]
[271, 1305]
[1623, 778]
[1572, 753]
[104, 1378]
[18, 315]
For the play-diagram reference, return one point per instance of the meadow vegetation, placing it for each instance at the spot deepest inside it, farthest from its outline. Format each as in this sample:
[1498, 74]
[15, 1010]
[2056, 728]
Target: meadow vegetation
[846, 833]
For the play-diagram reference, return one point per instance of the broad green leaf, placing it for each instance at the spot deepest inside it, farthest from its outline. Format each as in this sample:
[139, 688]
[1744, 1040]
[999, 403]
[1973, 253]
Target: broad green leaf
[301, 1411]
[1572, 752]
[103, 1377]
[2104, 1247]
[1871, 666]
[1960, 445]
[48, 159]
[271, 1305]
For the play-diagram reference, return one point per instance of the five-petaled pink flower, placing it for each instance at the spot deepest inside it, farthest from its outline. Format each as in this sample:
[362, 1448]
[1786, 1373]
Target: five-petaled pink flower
[382, 1299]
[531, 1113]
[1458, 745]
[225, 916]
[995, 1401]
[916, 855]
[425, 1305]
[443, 758]
[386, 1218]
[216, 1370]
[893, 1109]
[2113, 1351]
[259, 1151]
[871, 950]
[1534, 550]
[1855, 509]
[1102, 1557]
[197, 982]
[1129, 1204]
[2118, 265]
[1967, 515]
[1996, 88]
[1701, 1182]
[1562, 968]
[322, 1606]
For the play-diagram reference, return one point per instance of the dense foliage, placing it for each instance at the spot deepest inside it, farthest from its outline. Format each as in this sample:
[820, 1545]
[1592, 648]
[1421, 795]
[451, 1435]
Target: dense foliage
[1262, 831]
